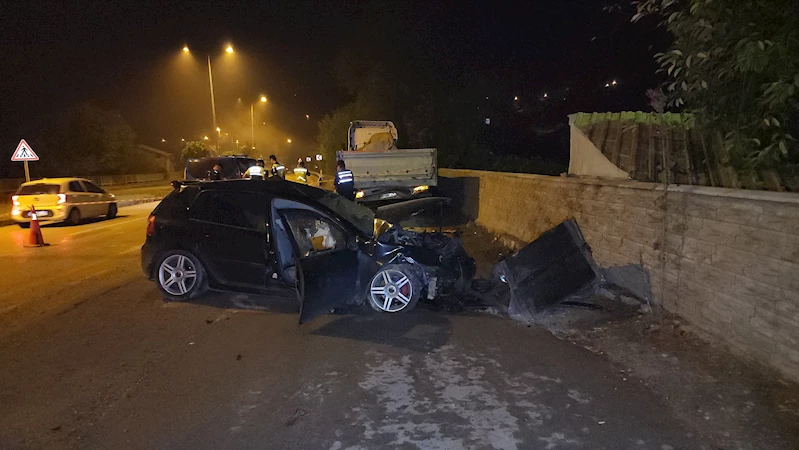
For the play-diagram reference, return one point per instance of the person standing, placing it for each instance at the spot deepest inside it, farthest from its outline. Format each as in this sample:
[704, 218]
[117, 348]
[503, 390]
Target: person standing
[344, 181]
[301, 173]
[277, 169]
[256, 172]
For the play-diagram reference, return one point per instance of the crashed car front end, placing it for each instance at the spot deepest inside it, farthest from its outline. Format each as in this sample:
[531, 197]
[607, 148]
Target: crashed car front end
[442, 265]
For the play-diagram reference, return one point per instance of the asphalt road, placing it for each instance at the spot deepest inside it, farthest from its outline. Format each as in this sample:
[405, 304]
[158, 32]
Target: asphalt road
[92, 357]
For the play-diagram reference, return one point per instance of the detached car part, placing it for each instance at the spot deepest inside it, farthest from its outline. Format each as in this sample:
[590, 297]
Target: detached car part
[549, 269]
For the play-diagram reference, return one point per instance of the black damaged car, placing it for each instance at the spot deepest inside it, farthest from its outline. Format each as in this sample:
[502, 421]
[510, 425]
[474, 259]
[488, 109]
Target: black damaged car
[254, 236]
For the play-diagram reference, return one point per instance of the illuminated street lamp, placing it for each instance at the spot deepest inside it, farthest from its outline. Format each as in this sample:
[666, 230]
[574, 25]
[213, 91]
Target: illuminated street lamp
[252, 121]
[205, 138]
[163, 140]
[288, 140]
[228, 49]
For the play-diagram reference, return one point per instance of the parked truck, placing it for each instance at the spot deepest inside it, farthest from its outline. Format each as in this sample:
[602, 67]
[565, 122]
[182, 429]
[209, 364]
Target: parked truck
[384, 173]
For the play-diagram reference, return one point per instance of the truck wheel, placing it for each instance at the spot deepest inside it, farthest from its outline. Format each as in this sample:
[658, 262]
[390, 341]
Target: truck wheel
[395, 288]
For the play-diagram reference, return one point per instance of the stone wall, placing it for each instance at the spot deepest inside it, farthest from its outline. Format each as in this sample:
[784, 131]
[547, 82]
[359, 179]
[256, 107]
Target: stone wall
[725, 260]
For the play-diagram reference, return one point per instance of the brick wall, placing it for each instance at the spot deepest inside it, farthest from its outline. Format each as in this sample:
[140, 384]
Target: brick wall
[726, 260]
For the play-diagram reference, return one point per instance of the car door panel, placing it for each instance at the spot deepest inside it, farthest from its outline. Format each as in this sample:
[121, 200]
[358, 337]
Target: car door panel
[327, 281]
[231, 238]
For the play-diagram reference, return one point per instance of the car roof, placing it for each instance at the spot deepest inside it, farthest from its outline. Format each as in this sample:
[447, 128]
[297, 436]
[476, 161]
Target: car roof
[272, 185]
[54, 180]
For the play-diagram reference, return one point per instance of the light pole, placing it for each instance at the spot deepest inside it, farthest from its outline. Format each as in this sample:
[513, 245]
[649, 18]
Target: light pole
[228, 49]
[252, 121]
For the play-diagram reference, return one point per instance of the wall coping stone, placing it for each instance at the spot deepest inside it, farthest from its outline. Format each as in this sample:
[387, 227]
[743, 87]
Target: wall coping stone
[745, 194]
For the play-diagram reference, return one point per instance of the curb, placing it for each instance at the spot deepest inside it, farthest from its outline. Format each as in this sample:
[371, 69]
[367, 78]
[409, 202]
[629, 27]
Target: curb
[120, 204]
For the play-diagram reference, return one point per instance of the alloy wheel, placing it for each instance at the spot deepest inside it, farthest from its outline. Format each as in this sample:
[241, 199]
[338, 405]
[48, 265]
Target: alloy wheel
[177, 275]
[391, 290]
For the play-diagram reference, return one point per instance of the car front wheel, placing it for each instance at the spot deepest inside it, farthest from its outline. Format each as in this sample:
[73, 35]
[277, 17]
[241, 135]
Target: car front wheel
[181, 276]
[395, 288]
[112, 211]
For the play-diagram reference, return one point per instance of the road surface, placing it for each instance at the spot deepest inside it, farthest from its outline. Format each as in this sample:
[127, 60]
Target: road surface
[92, 357]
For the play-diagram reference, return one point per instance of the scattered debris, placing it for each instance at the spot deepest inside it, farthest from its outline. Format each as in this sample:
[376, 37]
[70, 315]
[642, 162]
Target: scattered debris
[56, 428]
[238, 357]
[297, 414]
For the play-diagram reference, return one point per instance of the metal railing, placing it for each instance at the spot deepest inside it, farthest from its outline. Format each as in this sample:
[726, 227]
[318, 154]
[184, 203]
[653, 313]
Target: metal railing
[9, 186]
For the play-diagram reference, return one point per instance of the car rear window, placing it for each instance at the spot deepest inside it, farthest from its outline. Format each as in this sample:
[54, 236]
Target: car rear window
[175, 204]
[231, 167]
[39, 189]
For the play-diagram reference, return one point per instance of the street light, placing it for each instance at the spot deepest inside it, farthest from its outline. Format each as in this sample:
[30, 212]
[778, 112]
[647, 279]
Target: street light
[288, 140]
[228, 49]
[252, 121]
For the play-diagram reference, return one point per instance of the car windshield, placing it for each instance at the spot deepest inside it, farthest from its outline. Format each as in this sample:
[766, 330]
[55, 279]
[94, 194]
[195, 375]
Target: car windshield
[363, 218]
[38, 189]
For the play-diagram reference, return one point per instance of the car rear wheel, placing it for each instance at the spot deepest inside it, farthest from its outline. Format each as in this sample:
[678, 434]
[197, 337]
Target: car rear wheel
[181, 276]
[395, 288]
[112, 211]
[74, 217]
[24, 224]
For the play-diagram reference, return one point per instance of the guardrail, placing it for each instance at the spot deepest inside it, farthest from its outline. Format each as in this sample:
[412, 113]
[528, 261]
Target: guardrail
[9, 186]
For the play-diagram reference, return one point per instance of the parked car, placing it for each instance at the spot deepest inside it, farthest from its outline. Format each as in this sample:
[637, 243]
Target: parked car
[61, 199]
[253, 236]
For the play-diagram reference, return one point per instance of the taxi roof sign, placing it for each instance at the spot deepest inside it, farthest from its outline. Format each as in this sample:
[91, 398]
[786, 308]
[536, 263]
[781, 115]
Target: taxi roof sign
[24, 152]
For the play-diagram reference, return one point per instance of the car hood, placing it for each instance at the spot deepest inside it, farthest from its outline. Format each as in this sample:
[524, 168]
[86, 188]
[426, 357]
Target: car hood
[397, 212]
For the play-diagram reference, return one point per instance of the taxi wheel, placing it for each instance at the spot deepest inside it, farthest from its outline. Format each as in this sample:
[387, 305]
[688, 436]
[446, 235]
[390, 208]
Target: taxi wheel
[180, 276]
[24, 224]
[396, 288]
[112, 211]
[74, 217]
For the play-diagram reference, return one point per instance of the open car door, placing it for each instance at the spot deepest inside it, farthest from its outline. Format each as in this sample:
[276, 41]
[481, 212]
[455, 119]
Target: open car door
[326, 281]
[326, 264]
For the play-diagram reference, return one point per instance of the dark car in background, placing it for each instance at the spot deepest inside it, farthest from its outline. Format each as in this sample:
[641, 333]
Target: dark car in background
[253, 236]
[233, 167]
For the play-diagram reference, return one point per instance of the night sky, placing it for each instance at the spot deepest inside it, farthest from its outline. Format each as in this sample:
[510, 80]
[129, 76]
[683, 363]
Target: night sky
[127, 56]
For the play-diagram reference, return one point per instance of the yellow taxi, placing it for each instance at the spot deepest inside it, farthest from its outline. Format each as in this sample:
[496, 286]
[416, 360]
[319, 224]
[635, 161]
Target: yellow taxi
[67, 200]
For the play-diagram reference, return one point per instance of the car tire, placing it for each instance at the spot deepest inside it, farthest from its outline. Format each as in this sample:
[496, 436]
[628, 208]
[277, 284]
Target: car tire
[24, 224]
[395, 288]
[180, 276]
[112, 211]
[74, 217]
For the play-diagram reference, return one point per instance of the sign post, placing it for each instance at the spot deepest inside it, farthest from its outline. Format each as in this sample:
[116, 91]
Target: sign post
[24, 153]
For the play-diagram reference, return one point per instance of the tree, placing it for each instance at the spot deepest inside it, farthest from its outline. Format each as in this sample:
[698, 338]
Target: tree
[734, 65]
[375, 94]
[92, 141]
[195, 150]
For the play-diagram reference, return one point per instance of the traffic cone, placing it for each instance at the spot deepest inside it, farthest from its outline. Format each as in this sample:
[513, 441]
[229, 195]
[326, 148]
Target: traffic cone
[35, 238]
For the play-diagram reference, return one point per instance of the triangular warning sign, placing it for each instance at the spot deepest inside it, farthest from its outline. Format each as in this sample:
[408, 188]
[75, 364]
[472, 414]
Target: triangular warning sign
[24, 152]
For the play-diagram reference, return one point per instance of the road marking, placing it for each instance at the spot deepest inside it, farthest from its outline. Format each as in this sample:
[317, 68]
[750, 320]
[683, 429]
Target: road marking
[93, 229]
[131, 250]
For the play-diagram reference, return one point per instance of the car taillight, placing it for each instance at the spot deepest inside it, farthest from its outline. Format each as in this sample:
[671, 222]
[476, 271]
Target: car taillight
[151, 225]
[62, 198]
[14, 200]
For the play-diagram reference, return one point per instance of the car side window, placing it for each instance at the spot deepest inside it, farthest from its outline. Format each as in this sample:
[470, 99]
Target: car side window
[93, 188]
[313, 232]
[234, 209]
[75, 186]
